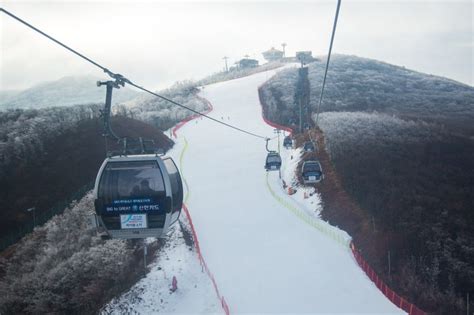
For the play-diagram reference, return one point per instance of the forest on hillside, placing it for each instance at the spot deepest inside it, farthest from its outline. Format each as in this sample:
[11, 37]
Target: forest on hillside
[64, 267]
[416, 181]
[163, 115]
[402, 144]
[42, 144]
[360, 84]
[66, 91]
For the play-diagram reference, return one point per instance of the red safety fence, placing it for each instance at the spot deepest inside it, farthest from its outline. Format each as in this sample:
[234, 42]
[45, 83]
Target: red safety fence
[224, 305]
[389, 293]
[271, 123]
[396, 299]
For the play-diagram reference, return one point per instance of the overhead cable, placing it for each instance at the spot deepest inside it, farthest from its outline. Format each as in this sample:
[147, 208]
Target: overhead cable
[122, 80]
[327, 61]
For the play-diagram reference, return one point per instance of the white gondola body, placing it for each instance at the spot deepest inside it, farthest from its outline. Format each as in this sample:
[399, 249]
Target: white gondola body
[130, 217]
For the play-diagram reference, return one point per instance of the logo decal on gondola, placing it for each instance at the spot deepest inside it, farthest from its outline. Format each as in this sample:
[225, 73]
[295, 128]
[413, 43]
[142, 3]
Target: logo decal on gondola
[132, 205]
[130, 201]
[133, 221]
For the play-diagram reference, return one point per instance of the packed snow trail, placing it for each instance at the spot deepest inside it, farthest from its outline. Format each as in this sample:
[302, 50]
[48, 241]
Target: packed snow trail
[263, 257]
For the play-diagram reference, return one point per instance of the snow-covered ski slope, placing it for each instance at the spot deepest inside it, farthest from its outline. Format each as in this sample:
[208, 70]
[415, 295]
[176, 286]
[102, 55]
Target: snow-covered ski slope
[265, 259]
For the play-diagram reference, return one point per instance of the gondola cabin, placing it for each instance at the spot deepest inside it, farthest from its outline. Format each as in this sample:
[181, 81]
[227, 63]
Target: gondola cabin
[309, 146]
[273, 161]
[138, 196]
[312, 172]
[288, 142]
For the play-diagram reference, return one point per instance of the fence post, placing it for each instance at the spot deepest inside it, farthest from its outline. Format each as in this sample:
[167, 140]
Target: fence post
[389, 266]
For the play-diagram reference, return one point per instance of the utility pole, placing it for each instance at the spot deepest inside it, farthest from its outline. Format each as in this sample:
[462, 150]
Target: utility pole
[389, 266]
[301, 115]
[283, 45]
[302, 93]
[225, 60]
[277, 131]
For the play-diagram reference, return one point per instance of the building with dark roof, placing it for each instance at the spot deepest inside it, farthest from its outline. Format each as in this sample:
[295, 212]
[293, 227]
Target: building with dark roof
[273, 54]
[248, 63]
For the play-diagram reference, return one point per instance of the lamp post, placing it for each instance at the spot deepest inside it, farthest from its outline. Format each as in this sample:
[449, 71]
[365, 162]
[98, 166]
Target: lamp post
[33, 209]
[277, 131]
[225, 59]
[283, 45]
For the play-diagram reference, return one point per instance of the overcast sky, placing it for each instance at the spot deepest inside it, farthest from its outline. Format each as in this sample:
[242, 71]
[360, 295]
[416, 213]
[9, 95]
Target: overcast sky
[156, 43]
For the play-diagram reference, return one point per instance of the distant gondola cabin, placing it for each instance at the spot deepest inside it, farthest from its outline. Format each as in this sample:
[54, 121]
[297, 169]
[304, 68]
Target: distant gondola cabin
[312, 172]
[273, 54]
[273, 161]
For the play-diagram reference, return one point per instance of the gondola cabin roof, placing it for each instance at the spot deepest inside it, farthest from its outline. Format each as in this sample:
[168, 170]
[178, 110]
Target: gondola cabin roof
[137, 157]
[273, 154]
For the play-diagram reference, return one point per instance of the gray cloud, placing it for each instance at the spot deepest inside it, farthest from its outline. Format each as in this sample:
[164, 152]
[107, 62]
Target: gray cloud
[157, 43]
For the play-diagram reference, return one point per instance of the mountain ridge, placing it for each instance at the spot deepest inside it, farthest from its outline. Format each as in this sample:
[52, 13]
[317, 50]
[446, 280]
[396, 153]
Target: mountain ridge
[66, 91]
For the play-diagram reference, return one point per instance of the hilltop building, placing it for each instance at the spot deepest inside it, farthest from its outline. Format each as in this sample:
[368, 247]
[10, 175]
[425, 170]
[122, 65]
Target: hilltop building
[305, 57]
[248, 63]
[273, 54]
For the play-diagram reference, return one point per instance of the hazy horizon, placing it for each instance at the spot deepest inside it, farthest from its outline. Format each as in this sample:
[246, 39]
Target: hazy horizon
[158, 43]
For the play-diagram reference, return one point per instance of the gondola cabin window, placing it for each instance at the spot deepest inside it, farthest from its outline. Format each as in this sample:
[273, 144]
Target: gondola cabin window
[176, 184]
[131, 179]
[274, 159]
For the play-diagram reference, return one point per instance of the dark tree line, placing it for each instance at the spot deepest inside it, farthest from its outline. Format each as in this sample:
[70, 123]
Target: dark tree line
[416, 181]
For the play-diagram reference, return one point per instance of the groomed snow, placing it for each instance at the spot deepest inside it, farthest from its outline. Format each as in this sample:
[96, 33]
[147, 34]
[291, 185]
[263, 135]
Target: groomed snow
[265, 259]
[152, 294]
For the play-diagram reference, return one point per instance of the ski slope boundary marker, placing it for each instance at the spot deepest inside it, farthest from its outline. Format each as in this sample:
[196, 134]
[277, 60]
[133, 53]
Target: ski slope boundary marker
[268, 122]
[188, 119]
[334, 233]
[318, 224]
[224, 305]
[396, 299]
[202, 261]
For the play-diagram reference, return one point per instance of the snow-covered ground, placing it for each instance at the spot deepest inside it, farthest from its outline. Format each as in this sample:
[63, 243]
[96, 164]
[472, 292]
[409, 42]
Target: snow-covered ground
[305, 197]
[153, 294]
[266, 257]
